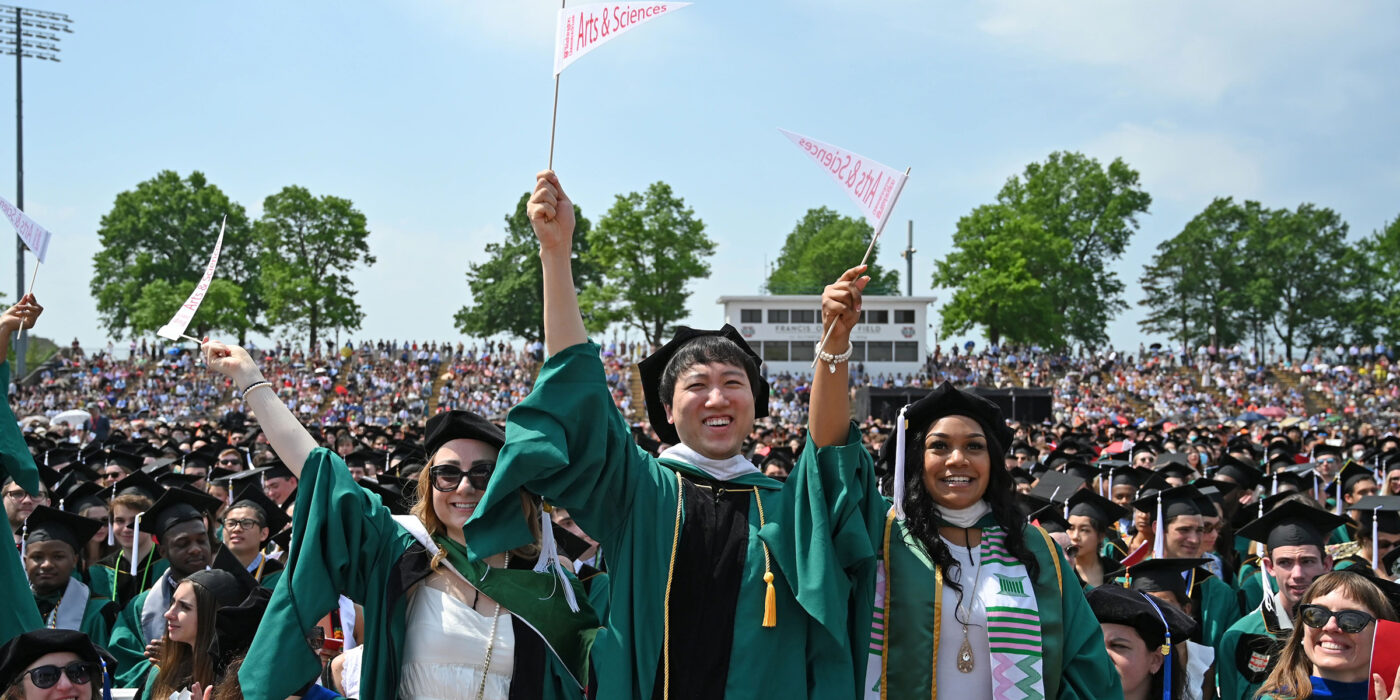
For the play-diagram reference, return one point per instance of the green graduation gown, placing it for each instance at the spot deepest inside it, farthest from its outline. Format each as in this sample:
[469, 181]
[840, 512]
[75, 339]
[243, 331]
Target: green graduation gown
[139, 622]
[111, 578]
[849, 531]
[1217, 607]
[568, 443]
[348, 543]
[94, 615]
[1248, 651]
[15, 463]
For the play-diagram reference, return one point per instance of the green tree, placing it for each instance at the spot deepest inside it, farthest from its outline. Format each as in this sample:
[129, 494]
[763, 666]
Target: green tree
[998, 270]
[648, 248]
[1299, 279]
[507, 289]
[1076, 199]
[311, 244]
[821, 247]
[1374, 313]
[161, 233]
[1195, 286]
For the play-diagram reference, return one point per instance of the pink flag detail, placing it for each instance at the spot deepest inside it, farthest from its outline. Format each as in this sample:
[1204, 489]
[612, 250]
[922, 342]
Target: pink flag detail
[872, 185]
[582, 28]
[36, 237]
[181, 320]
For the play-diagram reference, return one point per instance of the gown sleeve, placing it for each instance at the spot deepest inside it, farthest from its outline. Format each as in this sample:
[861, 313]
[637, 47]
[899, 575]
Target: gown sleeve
[826, 542]
[128, 644]
[1232, 685]
[15, 463]
[343, 542]
[1222, 609]
[568, 443]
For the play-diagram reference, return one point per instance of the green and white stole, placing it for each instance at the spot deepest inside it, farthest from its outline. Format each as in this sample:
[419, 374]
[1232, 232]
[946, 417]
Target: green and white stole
[901, 598]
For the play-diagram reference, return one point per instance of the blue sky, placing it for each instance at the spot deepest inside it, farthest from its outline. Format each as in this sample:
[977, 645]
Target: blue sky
[433, 116]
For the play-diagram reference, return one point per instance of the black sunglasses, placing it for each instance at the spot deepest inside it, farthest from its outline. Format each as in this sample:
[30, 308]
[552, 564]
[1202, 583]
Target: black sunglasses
[448, 478]
[1350, 621]
[78, 672]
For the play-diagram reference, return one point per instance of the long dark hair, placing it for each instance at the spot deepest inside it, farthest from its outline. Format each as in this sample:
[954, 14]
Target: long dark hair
[921, 513]
[182, 665]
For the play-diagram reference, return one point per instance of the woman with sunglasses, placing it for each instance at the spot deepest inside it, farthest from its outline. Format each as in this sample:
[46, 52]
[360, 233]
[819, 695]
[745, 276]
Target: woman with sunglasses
[1329, 652]
[439, 621]
[53, 664]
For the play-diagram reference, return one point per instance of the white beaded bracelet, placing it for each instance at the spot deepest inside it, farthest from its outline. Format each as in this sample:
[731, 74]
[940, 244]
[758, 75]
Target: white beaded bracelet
[833, 360]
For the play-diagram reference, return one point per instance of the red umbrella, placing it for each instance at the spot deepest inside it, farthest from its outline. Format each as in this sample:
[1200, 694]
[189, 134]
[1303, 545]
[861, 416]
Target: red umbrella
[1272, 412]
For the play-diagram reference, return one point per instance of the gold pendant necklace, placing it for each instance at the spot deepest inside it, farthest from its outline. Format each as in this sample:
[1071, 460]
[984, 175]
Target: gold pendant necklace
[965, 662]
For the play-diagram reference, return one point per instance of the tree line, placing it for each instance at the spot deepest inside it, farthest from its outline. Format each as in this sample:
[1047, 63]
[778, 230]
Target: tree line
[1040, 265]
[289, 270]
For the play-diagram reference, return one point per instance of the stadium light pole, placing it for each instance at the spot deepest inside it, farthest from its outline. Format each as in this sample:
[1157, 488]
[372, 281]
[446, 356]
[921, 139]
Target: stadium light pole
[35, 34]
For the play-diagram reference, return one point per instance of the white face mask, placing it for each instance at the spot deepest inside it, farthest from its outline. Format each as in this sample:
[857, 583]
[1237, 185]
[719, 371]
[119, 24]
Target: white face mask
[1358, 454]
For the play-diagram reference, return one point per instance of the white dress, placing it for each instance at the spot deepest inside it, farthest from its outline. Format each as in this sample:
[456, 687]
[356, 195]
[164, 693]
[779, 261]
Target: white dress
[445, 645]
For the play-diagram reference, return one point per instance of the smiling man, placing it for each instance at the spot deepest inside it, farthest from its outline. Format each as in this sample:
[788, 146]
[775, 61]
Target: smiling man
[698, 605]
[1294, 535]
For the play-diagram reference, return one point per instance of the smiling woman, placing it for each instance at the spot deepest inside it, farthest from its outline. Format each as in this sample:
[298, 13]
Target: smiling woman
[1329, 652]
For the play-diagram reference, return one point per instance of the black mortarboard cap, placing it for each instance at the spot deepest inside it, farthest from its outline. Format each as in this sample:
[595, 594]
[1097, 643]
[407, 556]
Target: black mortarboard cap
[236, 625]
[1078, 468]
[1352, 474]
[1176, 501]
[1292, 524]
[228, 588]
[84, 495]
[1090, 504]
[1056, 487]
[361, 457]
[1385, 510]
[1241, 472]
[653, 367]
[175, 506]
[1163, 574]
[1021, 475]
[1051, 518]
[1122, 606]
[18, 653]
[139, 483]
[462, 425]
[46, 524]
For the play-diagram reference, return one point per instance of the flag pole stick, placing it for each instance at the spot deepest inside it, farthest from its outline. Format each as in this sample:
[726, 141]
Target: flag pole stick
[821, 347]
[190, 337]
[34, 277]
[554, 118]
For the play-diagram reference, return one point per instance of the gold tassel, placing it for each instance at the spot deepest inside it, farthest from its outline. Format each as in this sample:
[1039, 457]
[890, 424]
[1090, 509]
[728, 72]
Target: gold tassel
[770, 602]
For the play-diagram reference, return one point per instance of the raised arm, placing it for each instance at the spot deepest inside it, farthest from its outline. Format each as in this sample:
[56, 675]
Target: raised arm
[552, 215]
[21, 315]
[284, 432]
[829, 415]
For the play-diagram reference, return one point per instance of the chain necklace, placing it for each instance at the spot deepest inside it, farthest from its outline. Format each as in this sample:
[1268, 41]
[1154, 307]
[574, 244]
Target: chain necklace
[965, 663]
[490, 645]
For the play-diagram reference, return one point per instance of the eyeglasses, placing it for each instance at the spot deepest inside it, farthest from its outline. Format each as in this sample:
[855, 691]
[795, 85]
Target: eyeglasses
[78, 672]
[243, 524]
[448, 478]
[231, 461]
[1351, 621]
[19, 495]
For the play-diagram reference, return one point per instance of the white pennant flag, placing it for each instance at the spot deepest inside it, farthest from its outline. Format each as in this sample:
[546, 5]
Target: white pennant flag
[582, 28]
[35, 236]
[872, 185]
[176, 328]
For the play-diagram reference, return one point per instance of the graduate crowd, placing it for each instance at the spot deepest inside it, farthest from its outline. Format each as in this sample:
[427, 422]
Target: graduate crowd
[538, 534]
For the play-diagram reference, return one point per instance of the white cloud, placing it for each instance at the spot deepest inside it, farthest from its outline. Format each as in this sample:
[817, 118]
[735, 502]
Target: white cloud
[1180, 165]
[1191, 48]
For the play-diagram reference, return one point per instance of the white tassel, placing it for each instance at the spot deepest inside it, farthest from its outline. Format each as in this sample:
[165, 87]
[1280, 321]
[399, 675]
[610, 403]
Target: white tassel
[135, 542]
[1159, 534]
[1375, 544]
[24, 540]
[900, 425]
[549, 557]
